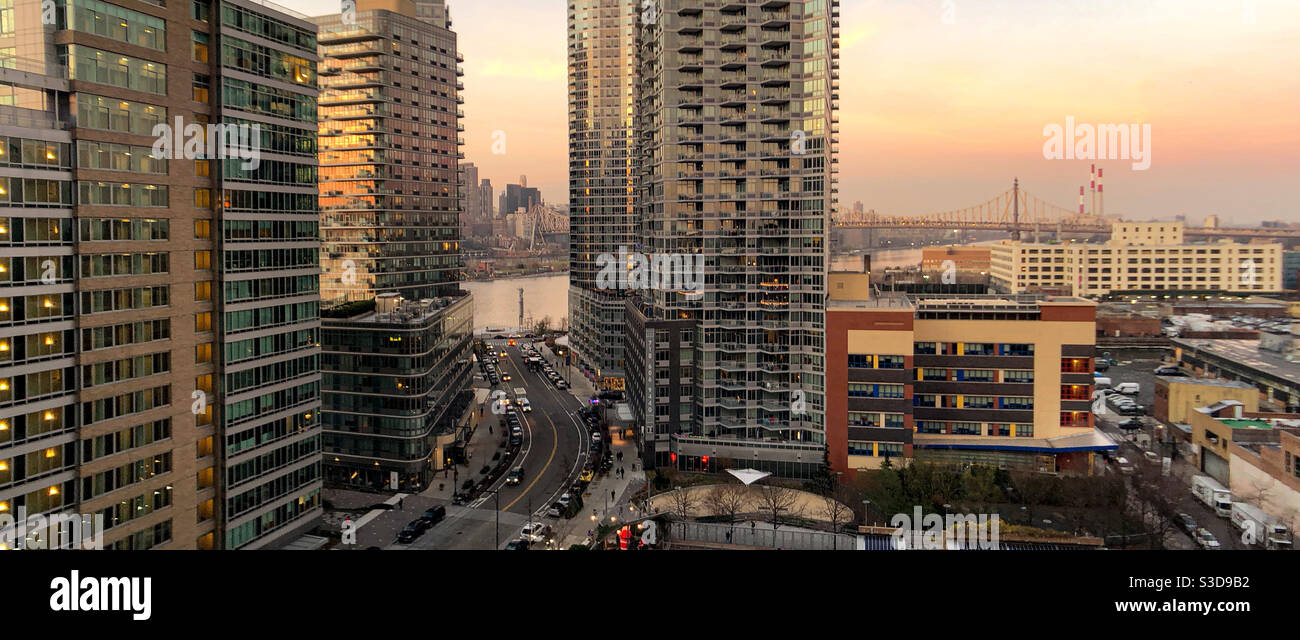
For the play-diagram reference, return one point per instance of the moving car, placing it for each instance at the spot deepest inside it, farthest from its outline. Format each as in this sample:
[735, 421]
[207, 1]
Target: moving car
[525, 405]
[505, 377]
[516, 476]
[1132, 424]
[1206, 539]
[595, 438]
[1152, 457]
[517, 545]
[1132, 409]
[587, 474]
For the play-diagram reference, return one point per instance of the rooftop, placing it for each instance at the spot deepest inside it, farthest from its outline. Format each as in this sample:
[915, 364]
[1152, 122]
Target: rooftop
[1245, 353]
[1208, 382]
[1246, 423]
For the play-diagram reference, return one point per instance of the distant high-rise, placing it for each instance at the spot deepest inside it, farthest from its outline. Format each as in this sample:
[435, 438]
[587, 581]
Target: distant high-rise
[517, 197]
[602, 83]
[736, 152]
[470, 202]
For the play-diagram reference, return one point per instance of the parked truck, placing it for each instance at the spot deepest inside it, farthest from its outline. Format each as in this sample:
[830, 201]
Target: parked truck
[1262, 528]
[1209, 491]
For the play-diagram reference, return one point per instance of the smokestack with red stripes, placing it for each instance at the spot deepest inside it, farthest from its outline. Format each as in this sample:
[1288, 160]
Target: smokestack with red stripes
[1092, 188]
[1080, 199]
[1101, 197]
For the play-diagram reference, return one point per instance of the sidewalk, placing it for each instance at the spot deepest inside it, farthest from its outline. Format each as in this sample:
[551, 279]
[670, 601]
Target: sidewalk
[479, 449]
[597, 499]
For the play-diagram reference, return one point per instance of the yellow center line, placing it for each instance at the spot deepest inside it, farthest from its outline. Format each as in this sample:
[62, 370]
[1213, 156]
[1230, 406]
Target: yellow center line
[555, 443]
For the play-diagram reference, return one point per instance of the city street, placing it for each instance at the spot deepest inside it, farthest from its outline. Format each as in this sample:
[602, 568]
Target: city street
[555, 447]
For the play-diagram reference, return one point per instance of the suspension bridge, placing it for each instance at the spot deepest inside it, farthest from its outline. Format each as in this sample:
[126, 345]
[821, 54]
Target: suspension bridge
[1017, 210]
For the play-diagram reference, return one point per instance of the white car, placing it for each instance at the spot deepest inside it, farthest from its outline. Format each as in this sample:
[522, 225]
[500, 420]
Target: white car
[595, 438]
[536, 532]
[1206, 539]
[525, 406]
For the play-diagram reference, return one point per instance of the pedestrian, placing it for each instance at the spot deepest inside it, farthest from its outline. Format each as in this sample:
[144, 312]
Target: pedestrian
[401, 504]
[620, 456]
[611, 494]
[728, 537]
[489, 429]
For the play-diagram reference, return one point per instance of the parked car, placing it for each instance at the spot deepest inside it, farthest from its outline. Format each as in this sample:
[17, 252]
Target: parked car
[1187, 523]
[1124, 465]
[1132, 424]
[517, 545]
[1206, 539]
[1132, 409]
[459, 498]
[1152, 457]
[535, 532]
[595, 439]
[1169, 370]
[587, 474]
[434, 515]
[412, 531]
[1128, 388]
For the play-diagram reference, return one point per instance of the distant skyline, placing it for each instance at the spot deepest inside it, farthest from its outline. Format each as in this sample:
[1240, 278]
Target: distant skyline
[942, 102]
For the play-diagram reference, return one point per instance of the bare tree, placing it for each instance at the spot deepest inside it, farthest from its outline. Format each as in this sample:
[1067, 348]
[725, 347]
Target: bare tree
[726, 501]
[835, 509]
[776, 500]
[683, 501]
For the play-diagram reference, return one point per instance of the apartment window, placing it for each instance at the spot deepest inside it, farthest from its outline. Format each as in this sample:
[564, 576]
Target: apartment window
[203, 322]
[88, 64]
[860, 419]
[1017, 349]
[966, 428]
[202, 291]
[926, 348]
[203, 260]
[978, 402]
[200, 10]
[1000, 429]
[203, 353]
[889, 449]
[978, 349]
[930, 426]
[199, 42]
[203, 198]
[200, 88]
[858, 361]
[203, 229]
[860, 448]
[976, 375]
[202, 168]
[934, 374]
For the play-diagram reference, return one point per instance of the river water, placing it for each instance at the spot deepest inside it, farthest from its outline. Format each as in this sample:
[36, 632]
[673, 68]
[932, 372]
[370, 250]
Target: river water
[496, 302]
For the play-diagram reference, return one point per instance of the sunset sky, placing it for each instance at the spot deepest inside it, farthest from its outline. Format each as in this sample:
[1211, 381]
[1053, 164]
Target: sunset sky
[942, 102]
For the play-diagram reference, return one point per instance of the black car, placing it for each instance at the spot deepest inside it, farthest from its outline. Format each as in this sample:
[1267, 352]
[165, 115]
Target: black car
[434, 515]
[412, 531]
[1187, 523]
[1133, 410]
[1169, 371]
[459, 498]
[1132, 424]
[518, 544]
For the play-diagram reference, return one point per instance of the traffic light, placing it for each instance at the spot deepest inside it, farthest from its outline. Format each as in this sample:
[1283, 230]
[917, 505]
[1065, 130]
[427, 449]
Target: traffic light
[705, 460]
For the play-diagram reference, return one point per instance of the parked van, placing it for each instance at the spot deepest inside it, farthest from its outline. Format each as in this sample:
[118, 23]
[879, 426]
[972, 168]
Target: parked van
[1101, 382]
[1128, 388]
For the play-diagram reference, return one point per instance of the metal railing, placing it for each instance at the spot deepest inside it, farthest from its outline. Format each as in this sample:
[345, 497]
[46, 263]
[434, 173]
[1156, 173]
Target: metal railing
[760, 536]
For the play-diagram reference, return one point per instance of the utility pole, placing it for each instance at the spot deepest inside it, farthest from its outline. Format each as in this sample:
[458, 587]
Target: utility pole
[521, 309]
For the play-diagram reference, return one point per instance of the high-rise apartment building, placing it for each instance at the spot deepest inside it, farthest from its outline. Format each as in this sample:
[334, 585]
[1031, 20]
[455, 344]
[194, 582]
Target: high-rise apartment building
[159, 358]
[736, 144]
[602, 138]
[398, 328]
[389, 151]
[1139, 257]
[471, 204]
